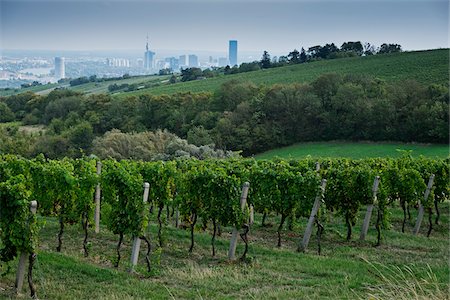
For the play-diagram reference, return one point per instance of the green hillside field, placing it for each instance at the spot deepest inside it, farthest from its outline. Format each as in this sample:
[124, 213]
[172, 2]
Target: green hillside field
[423, 66]
[102, 87]
[35, 89]
[355, 150]
[91, 87]
[426, 67]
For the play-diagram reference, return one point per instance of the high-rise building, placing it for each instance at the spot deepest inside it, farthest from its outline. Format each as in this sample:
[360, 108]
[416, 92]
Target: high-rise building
[173, 63]
[232, 53]
[182, 61]
[148, 57]
[60, 70]
[193, 61]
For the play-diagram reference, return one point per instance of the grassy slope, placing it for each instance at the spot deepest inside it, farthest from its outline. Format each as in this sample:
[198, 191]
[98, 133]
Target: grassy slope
[341, 272]
[89, 88]
[33, 89]
[355, 150]
[102, 87]
[424, 66]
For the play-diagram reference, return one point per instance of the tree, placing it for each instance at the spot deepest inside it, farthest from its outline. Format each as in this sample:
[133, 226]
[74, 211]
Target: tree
[369, 49]
[303, 56]
[173, 79]
[355, 47]
[265, 60]
[327, 50]
[294, 57]
[189, 74]
[252, 66]
[79, 81]
[314, 51]
[227, 70]
[389, 48]
[199, 136]
[166, 71]
[283, 60]
[6, 115]
[80, 136]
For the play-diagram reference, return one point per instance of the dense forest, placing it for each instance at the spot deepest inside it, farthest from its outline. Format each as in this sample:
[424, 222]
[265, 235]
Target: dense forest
[240, 116]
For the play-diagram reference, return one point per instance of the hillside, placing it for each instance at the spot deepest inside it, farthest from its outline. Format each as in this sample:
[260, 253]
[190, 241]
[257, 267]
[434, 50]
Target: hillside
[35, 89]
[91, 87]
[423, 66]
[102, 87]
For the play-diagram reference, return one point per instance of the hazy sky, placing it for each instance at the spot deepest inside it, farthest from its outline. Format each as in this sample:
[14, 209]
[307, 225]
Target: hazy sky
[273, 25]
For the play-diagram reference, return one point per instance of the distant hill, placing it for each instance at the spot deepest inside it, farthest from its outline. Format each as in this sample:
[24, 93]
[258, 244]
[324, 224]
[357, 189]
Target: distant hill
[427, 67]
[424, 66]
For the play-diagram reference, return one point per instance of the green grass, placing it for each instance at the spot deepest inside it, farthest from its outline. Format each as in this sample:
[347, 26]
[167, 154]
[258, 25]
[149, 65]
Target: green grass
[33, 89]
[102, 87]
[91, 87]
[355, 150]
[424, 66]
[343, 271]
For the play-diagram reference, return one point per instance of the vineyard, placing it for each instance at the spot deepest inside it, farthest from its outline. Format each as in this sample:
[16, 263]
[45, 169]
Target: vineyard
[198, 195]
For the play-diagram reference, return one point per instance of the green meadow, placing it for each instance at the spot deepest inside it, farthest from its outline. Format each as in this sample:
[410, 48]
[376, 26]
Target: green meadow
[356, 150]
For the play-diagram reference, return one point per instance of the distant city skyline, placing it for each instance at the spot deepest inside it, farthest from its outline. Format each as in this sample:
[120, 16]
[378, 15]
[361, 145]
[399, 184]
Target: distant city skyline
[200, 25]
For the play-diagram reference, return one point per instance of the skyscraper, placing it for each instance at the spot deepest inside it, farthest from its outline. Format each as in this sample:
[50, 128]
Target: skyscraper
[232, 53]
[148, 57]
[60, 70]
[182, 61]
[173, 63]
[193, 61]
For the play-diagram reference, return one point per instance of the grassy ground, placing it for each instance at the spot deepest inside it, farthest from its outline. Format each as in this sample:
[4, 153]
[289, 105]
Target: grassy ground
[355, 150]
[91, 87]
[102, 87]
[424, 66]
[345, 270]
[34, 89]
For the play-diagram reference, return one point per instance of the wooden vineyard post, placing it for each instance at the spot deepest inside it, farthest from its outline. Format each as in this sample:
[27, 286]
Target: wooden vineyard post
[252, 215]
[234, 235]
[177, 217]
[421, 210]
[366, 223]
[137, 240]
[23, 257]
[303, 244]
[97, 200]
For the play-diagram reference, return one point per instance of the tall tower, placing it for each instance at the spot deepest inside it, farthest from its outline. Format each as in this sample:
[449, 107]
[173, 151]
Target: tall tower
[60, 70]
[148, 57]
[232, 53]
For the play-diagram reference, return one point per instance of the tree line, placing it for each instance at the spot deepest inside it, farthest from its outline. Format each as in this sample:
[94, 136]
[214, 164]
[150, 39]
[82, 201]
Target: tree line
[314, 53]
[239, 116]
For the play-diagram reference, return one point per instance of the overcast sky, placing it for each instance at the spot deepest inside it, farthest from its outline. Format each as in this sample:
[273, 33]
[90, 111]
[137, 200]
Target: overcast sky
[273, 25]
